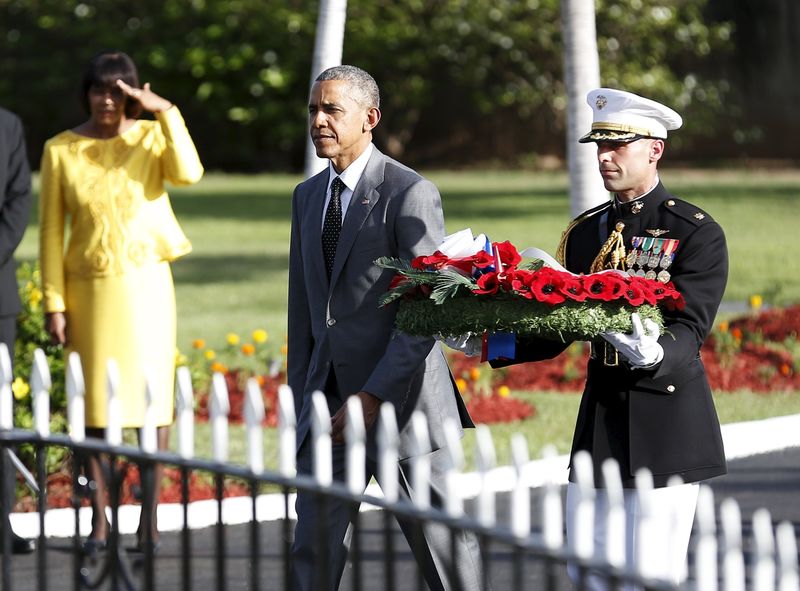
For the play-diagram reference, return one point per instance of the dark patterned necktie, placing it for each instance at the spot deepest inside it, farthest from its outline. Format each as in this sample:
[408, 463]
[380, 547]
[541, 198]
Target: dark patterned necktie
[332, 226]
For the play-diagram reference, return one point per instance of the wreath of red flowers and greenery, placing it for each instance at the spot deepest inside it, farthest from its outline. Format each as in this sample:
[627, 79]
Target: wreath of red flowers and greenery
[499, 292]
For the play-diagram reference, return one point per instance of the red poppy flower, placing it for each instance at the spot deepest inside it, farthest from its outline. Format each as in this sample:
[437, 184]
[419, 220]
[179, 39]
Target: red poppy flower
[487, 284]
[482, 259]
[639, 291]
[508, 254]
[572, 288]
[603, 286]
[518, 281]
[437, 260]
[545, 285]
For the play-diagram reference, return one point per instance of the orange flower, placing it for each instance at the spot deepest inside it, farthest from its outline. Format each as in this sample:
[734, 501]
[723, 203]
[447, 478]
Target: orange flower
[723, 327]
[218, 367]
[503, 391]
[248, 349]
[786, 369]
[260, 380]
[461, 384]
[199, 344]
[284, 350]
[737, 333]
[474, 373]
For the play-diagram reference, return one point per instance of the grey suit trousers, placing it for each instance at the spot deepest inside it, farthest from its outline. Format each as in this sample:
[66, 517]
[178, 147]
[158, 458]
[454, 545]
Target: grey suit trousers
[327, 527]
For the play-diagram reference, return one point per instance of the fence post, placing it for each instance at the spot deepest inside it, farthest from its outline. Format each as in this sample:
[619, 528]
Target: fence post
[321, 437]
[113, 410]
[40, 386]
[220, 409]
[520, 514]
[76, 405]
[421, 462]
[788, 579]
[763, 576]
[733, 575]
[185, 411]
[486, 460]
[705, 558]
[6, 395]
[648, 563]
[581, 538]
[615, 514]
[287, 435]
[552, 522]
[254, 414]
[149, 439]
[388, 444]
[356, 453]
[454, 504]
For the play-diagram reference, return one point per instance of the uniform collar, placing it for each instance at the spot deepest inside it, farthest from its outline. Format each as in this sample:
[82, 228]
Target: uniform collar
[639, 205]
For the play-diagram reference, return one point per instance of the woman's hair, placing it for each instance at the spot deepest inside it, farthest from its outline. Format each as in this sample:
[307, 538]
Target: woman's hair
[103, 70]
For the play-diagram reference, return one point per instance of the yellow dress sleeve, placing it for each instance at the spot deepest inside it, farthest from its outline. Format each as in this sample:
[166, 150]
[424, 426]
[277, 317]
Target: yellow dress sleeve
[51, 232]
[181, 163]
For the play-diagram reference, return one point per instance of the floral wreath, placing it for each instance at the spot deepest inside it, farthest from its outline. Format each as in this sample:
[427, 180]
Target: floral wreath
[494, 290]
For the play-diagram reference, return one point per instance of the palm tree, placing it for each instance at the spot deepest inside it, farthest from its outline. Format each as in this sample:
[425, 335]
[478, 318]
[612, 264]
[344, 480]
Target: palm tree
[327, 53]
[582, 74]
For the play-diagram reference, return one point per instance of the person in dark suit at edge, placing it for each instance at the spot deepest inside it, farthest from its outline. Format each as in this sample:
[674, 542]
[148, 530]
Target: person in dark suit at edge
[647, 402]
[15, 204]
[363, 206]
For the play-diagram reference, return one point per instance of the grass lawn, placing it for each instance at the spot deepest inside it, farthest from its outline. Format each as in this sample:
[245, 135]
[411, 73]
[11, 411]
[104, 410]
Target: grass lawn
[235, 279]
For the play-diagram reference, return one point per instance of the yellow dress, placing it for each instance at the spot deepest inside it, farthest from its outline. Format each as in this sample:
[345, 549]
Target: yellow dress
[114, 282]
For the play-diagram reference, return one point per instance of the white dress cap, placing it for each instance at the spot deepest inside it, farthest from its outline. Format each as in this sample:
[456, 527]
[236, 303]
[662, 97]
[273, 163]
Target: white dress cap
[620, 116]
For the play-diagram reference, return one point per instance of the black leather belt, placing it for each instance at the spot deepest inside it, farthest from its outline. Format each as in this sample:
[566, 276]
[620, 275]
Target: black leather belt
[605, 352]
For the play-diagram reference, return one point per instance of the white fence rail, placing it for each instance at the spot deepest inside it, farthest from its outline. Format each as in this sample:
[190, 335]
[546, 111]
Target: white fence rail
[719, 552]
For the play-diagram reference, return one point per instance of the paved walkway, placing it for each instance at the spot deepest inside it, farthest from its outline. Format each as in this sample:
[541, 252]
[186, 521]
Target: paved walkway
[770, 480]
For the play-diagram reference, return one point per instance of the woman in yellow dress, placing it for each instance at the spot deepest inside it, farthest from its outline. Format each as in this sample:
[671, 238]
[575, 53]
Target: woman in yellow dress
[110, 295]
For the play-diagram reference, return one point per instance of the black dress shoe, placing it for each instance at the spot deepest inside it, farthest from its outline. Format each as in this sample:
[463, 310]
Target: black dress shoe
[20, 545]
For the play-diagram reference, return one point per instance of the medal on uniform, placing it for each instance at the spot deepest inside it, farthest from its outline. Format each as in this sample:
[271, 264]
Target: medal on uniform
[644, 257]
[640, 273]
[633, 255]
[654, 258]
[669, 253]
[650, 275]
[663, 276]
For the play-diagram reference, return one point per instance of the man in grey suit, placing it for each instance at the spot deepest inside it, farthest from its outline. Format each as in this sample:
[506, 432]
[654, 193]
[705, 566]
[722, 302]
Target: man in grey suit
[363, 206]
[15, 205]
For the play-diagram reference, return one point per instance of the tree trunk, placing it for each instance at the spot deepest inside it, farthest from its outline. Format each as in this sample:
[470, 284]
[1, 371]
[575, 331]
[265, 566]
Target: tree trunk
[582, 74]
[327, 53]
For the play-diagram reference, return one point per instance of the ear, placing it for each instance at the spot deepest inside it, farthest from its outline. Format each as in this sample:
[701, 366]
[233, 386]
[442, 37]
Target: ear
[371, 120]
[656, 150]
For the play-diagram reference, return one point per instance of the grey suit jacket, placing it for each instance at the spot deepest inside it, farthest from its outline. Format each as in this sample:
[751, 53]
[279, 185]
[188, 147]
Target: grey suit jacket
[338, 324]
[15, 204]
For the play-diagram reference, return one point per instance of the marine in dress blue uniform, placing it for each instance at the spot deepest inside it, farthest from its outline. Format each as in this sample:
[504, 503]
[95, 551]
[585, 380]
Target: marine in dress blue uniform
[647, 402]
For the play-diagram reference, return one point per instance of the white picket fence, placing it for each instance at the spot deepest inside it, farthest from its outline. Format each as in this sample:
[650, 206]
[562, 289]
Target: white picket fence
[719, 552]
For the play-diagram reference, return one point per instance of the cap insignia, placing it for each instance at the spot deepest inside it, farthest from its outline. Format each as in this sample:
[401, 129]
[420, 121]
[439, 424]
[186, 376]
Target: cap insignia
[601, 102]
[699, 216]
[637, 207]
[670, 203]
[657, 232]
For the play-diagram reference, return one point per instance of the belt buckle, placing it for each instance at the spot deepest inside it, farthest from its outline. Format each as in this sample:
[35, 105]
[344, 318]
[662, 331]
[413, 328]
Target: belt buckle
[610, 355]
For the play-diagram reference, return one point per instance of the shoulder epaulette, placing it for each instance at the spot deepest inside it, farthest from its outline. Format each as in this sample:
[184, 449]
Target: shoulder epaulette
[687, 211]
[561, 251]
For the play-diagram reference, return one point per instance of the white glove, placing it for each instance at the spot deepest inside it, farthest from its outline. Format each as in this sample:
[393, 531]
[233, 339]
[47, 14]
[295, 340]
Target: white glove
[641, 347]
[469, 344]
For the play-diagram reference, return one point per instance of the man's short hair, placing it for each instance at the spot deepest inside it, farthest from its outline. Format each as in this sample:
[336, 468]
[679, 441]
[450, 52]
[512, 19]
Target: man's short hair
[365, 86]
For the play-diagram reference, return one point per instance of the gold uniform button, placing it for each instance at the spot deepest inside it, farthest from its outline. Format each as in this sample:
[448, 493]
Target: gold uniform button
[670, 203]
[670, 388]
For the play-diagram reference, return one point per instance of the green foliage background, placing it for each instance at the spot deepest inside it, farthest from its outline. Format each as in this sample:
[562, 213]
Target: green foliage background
[462, 80]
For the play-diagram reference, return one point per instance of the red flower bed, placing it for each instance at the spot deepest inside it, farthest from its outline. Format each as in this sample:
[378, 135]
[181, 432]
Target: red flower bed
[236, 396]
